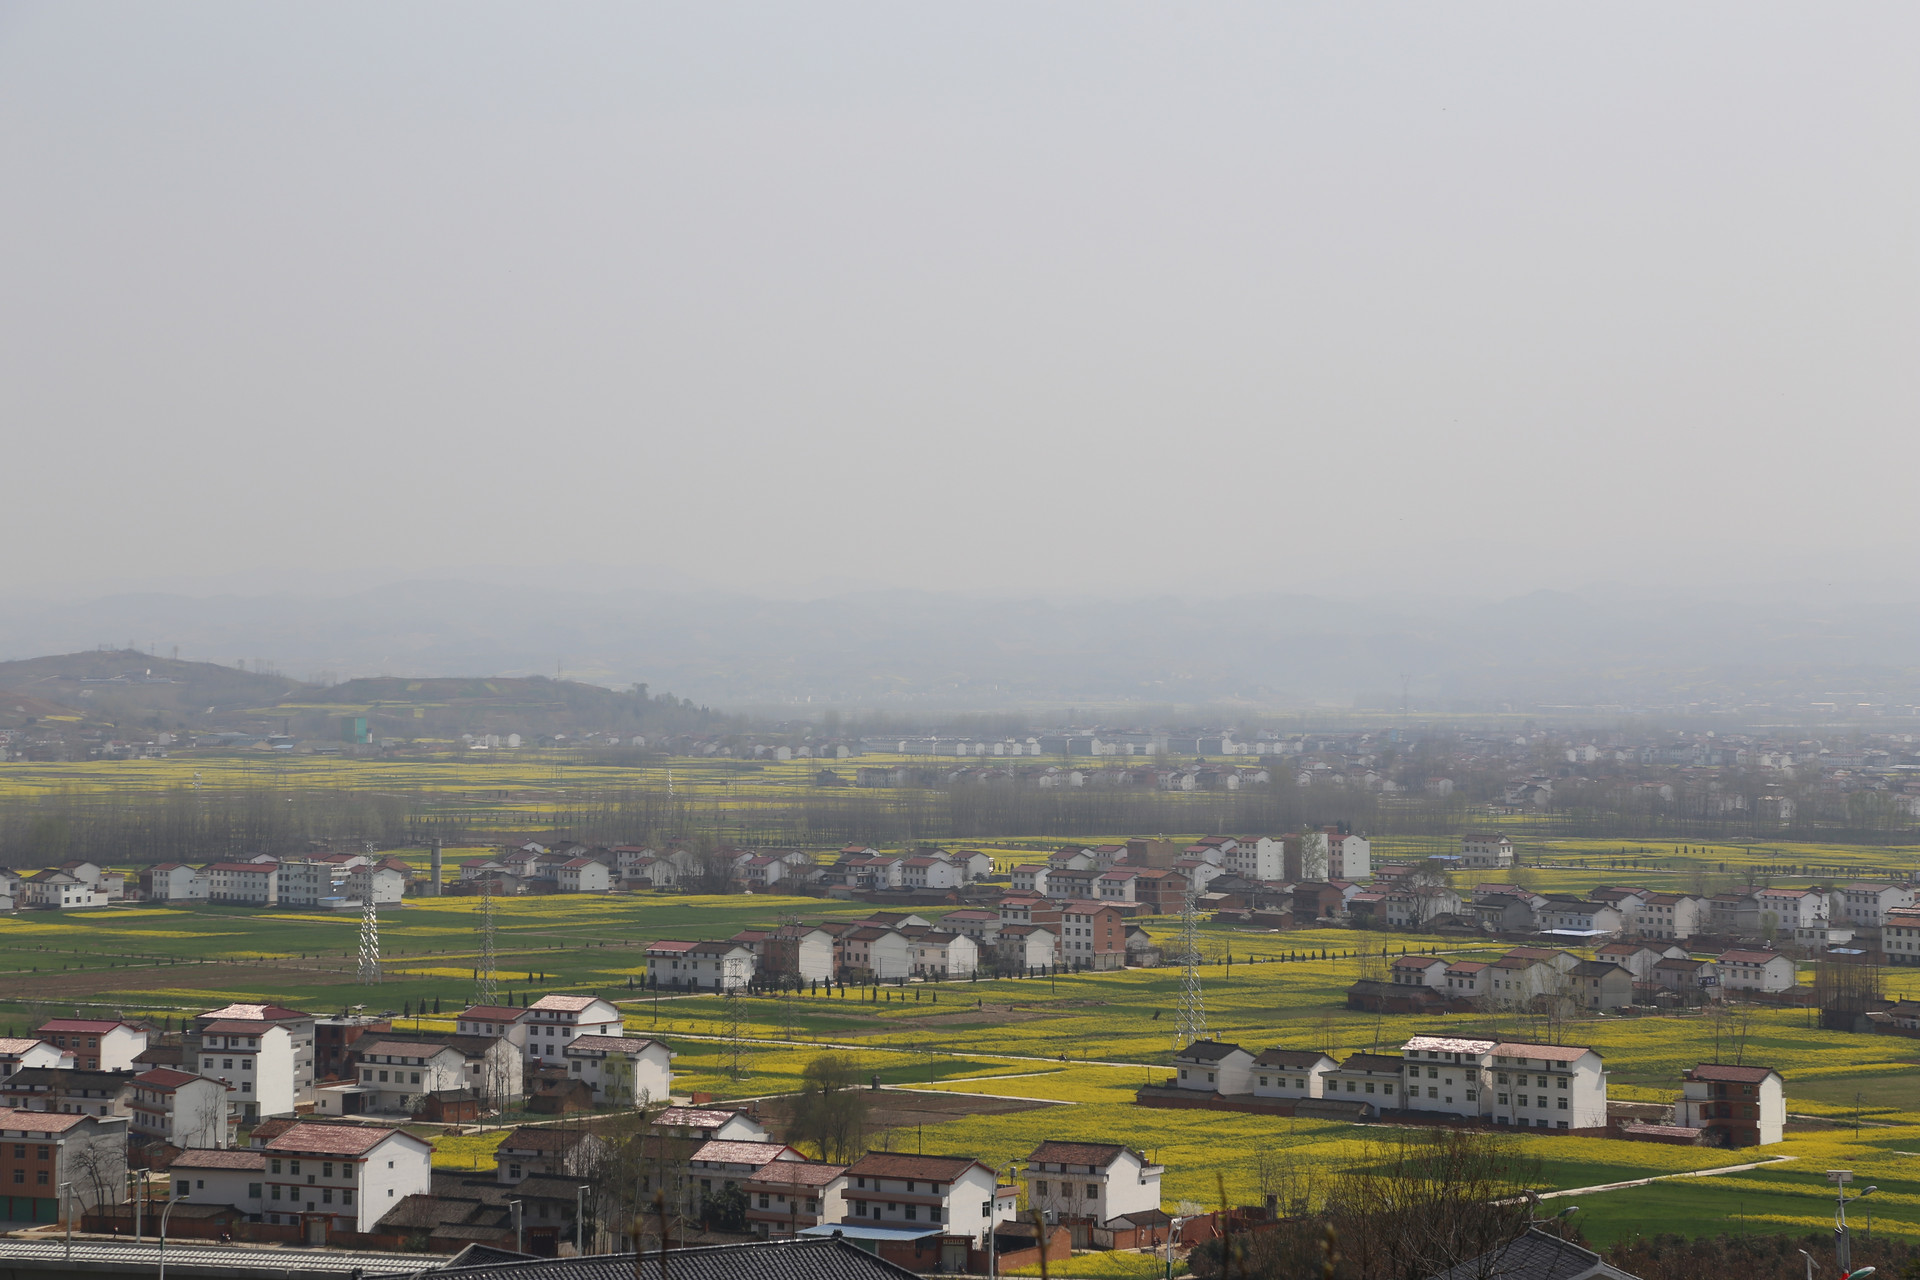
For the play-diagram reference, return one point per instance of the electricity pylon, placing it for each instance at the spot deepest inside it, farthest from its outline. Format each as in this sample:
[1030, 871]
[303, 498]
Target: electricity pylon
[486, 989]
[370, 940]
[1191, 1023]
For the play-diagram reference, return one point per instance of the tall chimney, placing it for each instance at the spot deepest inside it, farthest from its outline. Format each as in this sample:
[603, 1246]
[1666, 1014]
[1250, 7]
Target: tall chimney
[436, 868]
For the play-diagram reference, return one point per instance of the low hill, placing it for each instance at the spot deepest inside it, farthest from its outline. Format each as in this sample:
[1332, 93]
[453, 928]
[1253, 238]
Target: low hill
[133, 689]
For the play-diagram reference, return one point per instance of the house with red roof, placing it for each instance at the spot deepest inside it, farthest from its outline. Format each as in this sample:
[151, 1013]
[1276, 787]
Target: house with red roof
[342, 1177]
[181, 1109]
[98, 1044]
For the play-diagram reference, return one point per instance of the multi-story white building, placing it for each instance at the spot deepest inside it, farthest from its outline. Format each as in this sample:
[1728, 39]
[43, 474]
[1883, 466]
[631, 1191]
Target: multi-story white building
[1757, 971]
[583, 875]
[621, 1070]
[181, 1109]
[1090, 1181]
[944, 955]
[246, 884]
[386, 884]
[216, 1176]
[173, 882]
[1512, 1083]
[98, 1044]
[300, 1034]
[1209, 1066]
[1737, 1106]
[495, 1021]
[1676, 916]
[554, 1022]
[1031, 879]
[254, 1059]
[397, 1074]
[59, 891]
[337, 1177]
[1581, 920]
[1900, 936]
[1486, 849]
[1793, 912]
[61, 1161]
[1865, 905]
[957, 1193]
[1291, 1073]
[786, 1197]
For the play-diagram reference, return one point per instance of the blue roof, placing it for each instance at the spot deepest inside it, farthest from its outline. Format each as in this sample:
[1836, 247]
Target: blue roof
[855, 1231]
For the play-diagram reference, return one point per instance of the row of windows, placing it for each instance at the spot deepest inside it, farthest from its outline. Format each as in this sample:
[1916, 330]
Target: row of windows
[39, 1177]
[1066, 1189]
[1281, 1082]
[366, 1076]
[326, 1168]
[39, 1153]
[909, 1213]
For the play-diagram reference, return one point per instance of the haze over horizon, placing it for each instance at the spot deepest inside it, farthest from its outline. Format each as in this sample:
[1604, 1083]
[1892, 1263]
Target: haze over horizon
[1062, 301]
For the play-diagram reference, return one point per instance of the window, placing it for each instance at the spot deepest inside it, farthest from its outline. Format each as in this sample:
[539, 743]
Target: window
[1562, 1102]
[253, 1191]
[40, 1177]
[1432, 1092]
[1093, 1191]
[293, 1166]
[43, 1153]
[1040, 1187]
[273, 1166]
[274, 1192]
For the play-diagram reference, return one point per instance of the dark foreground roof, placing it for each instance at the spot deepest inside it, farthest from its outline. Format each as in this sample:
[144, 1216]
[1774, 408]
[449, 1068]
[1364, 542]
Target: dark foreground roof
[1535, 1256]
[802, 1259]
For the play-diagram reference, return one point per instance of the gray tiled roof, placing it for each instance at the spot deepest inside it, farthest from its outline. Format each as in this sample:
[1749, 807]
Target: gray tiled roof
[815, 1259]
[1534, 1256]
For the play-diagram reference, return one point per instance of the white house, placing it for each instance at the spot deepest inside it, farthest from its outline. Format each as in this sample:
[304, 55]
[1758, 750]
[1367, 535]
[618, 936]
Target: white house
[17, 1052]
[181, 1109]
[583, 875]
[924, 872]
[1900, 936]
[255, 1059]
[1581, 920]
[1511, 1083]
[383, 883]
[209, 1175]
[1736, 1106]
[944, 955]
[1211, 1067]
[342, 1177]
[173, 882]
[958, 1194]
[98, 1044]
[1291, 1073]
[621, 1070]
[1418, 971]
[1024, 948]
[402, 1072]
[1676, 916]
[249, 884]
[59, 891]
[885, 954]
[495, 1020]
[1865, 905]
[1091, 1180]
[1757, 971]
[554, 1022]
[1486, 849]
[1031, 879]
[1793, 912]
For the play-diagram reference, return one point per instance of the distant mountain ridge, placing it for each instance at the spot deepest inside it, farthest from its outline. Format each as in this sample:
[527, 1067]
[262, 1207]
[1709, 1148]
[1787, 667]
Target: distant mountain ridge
[913, 649]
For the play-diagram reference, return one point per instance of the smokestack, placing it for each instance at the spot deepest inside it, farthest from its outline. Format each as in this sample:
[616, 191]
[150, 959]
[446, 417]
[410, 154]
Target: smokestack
[436, 868]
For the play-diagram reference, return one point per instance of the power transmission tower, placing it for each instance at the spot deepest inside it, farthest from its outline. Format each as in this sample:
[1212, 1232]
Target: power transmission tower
[485, 989]
[733, 1021]
[1191, 1023]
[370, 940]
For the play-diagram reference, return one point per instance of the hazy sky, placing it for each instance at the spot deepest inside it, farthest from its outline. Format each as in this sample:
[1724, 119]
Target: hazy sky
[1022, 296]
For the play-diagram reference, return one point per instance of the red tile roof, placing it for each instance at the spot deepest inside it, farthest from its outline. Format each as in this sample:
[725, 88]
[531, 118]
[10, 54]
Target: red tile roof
[1735, 1075]
[755, 1153]
[211, 1159]
[167, 1078]
[893, 1164]
[86, 1026]
[36, 1121]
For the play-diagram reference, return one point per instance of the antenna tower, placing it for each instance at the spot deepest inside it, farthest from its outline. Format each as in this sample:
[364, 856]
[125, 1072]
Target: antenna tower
[370, 940]
[485, 989]
[1191, 1024]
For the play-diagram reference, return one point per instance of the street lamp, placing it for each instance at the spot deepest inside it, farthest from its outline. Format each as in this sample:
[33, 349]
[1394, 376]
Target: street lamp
[66, 1205]
[1173, 1231]
[519, 1245]
[580, 1222]
[1842, 1239]
[164, 1215]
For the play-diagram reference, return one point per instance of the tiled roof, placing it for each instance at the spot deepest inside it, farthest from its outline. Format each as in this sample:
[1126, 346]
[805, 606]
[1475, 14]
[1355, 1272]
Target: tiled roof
[894, 1164]
[1371, 1062]
[86, 1026]
[399, 1048]
[1447, 1044]
[532, 1138]
[1750, 957]
[821, 1258]
[741, 1152]
[1736, 1075]
[211, 1159]
[492, 1013]
[1292, 1059]
[256, 1013]
[1097, 1154]
[566, 1004]
[333, 1139]
[810, 1173]
[610, 1044]
[1542, 1052]
[167, 1078]
[1536, 1256]
[695, 1117]
[36, 1121]
[233, 1028]
[11, 1044]
[1207, 1051]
